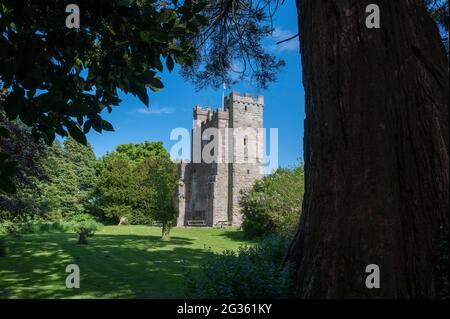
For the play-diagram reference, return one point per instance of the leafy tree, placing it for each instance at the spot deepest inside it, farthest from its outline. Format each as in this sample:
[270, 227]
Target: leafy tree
[138, 181]
[84, 162]
[18, 154]
[272, 205]
[20, 170]
[133, 154]
[119, 193]
[138, 152]
[161, 174]
[230, 47]
[61, 79]
[121, 190]
[52, 181]
[71, 177]
[439, 12]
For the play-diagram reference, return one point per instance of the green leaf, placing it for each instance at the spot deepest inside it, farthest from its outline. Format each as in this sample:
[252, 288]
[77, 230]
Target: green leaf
[87, 126]
[107, 126]
[60, 130]
[76, 132]
[97, 124]
[156, 84]
[141, 92]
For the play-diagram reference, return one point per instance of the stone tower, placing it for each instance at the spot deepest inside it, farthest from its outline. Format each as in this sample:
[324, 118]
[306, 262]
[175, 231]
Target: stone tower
[226, 156]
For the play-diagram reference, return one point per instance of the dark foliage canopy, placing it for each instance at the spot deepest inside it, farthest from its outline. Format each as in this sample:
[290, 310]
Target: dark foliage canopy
[60, 80]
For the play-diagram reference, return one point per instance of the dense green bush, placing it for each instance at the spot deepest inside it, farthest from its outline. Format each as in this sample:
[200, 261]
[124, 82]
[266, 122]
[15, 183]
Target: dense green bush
[3, 247]
[57, 187]
[273, 204]
[6, 229]
[10, 228]
[85, 226]
[18, 227]
[251, 272]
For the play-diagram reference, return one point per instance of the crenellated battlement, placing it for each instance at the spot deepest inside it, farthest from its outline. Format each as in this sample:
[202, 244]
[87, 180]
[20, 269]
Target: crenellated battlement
[205, 115]
[247, 98]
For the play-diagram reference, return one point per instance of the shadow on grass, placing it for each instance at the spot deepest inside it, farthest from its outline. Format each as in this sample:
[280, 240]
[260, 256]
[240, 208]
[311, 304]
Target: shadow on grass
[111, 266]
[238, 236]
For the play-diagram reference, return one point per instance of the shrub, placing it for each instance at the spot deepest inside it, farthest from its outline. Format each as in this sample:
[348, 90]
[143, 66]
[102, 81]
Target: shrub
[138, 217]
[29, 226]
[10, 228]
[85, 226]
[273, 204]
[55, 216]
[252, 272]
[5, 230]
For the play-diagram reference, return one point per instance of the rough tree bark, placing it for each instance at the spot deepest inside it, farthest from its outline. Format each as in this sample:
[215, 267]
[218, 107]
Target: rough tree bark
[165, 231]
[376, 149]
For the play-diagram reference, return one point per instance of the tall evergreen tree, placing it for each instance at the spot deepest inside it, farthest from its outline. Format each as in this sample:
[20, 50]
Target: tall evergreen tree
[71, 177]
[117, 191]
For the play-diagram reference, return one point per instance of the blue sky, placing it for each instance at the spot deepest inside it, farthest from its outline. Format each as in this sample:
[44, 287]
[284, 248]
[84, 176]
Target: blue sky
[172, 106]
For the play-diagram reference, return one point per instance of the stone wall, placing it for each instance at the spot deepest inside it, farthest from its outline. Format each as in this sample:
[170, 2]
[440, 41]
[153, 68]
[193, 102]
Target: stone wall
[210, 191]
[247, 148]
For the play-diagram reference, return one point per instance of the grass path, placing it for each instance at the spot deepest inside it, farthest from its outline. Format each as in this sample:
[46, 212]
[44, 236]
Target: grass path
[119, 262]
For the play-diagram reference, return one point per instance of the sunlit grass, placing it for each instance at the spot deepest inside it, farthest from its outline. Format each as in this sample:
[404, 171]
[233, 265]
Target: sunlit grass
[119, 262]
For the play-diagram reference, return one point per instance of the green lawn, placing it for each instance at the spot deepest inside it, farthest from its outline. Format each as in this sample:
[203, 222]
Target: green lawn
[119, 262]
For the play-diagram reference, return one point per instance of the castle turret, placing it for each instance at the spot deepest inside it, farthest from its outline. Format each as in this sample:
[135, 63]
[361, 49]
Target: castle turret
[246, 148]
[233, 159]
[200, 115]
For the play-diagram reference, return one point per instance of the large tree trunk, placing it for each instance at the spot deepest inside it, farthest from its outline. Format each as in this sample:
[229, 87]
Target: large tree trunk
[376, 149]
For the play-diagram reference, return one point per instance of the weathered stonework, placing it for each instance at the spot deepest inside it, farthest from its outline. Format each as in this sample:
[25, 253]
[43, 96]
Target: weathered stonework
[209, 192]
